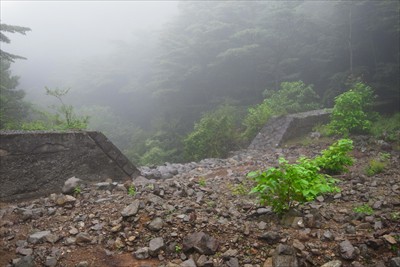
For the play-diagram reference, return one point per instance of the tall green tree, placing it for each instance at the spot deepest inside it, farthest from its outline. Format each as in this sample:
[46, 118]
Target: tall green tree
[12, 107]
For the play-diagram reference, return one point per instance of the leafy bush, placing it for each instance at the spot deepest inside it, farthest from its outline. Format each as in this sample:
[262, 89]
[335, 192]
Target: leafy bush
[351, 112]
[335, 159]
[289, 184]
[256, 118]
[293, 97]
[303, 181]
[213, 136]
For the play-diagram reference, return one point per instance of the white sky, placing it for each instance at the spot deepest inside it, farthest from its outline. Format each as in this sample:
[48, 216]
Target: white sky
[66, 32]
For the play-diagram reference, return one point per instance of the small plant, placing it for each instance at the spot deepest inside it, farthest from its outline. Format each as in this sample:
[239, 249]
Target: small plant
[238, 189]
[363, 209]
[77, 190]
[178, 248]
[335, 159]
[284, 187]
[202, 182]
[132, 190]
[376, 166]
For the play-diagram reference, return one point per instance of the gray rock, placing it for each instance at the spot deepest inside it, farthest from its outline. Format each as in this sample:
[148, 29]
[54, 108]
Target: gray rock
[131, 209]
[347, 251]
[50, 261]
[70, 185]
[155, 245]
[141, 253]
[188, 263]
[26, 261]
[230, 253]
[284, 256]
[141, 181]
[83, 237]
[83, 264]
[105, 186]
[24, 251]
[335, 263]
[52, 238]
[394, 262]
[38, 237]
[63, 200]
[156, 224]
[270, 237]
[233, 262]
[200, 242]
[203, 261]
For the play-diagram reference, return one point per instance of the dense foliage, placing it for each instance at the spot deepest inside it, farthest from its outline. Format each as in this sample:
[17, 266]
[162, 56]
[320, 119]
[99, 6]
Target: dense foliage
[352, 110]
[289, 184]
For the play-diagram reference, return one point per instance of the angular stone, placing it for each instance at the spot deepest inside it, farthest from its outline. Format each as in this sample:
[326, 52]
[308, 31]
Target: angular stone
[26, 261]
[50, 261]
[390, 239]
[63, 200]
[200, 242]
[270, 237]
[131, 209]
[155, 245]
[141, 253]
[284, 256]
[38, 237]
[233, 262]
[188, 263]
[83, 238]
[347, 251]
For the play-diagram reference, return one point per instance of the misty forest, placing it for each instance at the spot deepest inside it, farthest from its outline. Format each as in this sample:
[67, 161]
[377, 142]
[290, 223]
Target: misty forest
[212, 76]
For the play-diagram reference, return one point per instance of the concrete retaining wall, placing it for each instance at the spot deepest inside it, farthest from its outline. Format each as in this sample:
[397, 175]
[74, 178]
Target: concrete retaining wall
[34, 164]
[283, 128]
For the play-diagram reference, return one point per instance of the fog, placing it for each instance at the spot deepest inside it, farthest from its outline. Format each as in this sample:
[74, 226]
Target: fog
[149, 73]
[66, 33]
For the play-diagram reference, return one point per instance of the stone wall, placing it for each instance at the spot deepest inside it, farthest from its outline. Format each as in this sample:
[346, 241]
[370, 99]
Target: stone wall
[283, 128]
[33, 164]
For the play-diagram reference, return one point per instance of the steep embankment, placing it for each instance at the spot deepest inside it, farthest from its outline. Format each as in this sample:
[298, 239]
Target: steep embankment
[202, 216]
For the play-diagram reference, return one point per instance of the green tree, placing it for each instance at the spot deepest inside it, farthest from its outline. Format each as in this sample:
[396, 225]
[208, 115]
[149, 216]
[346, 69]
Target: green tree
[3, 38]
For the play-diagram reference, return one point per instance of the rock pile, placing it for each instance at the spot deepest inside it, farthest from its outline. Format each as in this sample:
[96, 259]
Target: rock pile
[199, 214]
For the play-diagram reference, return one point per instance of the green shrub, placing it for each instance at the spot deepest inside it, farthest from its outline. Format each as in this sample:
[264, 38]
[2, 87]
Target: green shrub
[351, 112]
[303, 181]
[132, 191]
[335, 159]
[293, 97]
[256, 118]
[213, 136]
[284, 187]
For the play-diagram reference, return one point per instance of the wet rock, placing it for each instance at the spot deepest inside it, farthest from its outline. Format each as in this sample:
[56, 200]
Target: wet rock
[284, 256]
[200, 242]
[70, 185]
[131, 209]
[347, 251]
[141, 253]
[155, 245]
[38, 237]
